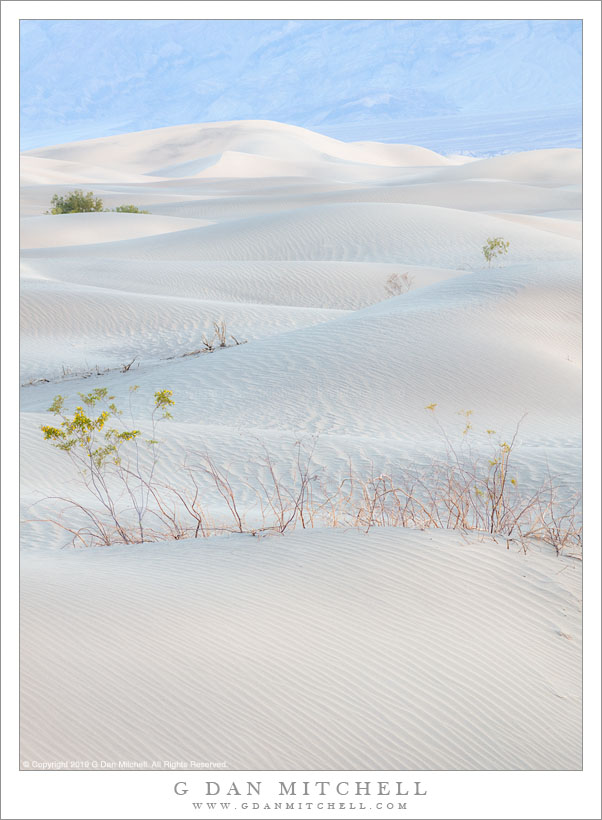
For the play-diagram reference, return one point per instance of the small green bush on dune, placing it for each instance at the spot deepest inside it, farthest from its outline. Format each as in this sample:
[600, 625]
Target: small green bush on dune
[495, 246]
[128, 209]
[77, 202]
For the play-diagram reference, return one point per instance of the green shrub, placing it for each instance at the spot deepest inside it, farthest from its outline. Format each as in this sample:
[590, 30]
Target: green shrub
[109, 461]
[75, 202]
[495, 246]
[128, 209]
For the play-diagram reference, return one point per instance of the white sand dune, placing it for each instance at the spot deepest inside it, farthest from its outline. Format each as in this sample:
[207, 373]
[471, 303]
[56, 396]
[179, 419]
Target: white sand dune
[36, 170]
[84, 229]
[515, 349]
[325, 285]
[419, 650]
[550, 167]
[402, 155]
[328, 649]
[240, 165]
[237, 164]
[575, 215]
[354, 232]
[471, 195]
[149, 151]
[562, 227]
[111, 328]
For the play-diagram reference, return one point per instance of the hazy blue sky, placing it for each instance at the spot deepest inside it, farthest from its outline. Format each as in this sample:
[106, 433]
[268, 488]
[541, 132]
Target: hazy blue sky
[353, 79]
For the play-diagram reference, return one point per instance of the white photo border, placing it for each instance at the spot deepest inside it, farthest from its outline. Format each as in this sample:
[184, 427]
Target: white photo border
[143, 794]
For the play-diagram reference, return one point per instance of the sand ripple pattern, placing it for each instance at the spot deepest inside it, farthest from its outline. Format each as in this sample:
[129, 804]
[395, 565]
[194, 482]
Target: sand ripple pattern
[320, 650]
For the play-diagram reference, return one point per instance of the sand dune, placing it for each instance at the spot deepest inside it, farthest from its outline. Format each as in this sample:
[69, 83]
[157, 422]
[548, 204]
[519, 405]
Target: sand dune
[87, 228]
[471, 195]
[236, 164]
[515, 341]
[326, 285]
[36, 170]
[79, 327]
[563, 227]
[497, 364]
[548, 167]
[403, 155]
[240, 165]
[149, 151]
[385, 670]
[398, 649]
[354, 232]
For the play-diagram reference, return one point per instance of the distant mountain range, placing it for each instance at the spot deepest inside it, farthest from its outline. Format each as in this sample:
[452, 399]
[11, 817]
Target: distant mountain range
[83, 79]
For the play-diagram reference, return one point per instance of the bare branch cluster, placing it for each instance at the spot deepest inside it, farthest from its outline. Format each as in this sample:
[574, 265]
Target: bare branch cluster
[399, 283]
[463, 490]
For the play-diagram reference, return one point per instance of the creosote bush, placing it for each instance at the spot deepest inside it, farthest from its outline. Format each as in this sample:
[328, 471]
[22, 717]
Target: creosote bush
[128, 209]
[463, 490]
[77, 202]
[109, 461]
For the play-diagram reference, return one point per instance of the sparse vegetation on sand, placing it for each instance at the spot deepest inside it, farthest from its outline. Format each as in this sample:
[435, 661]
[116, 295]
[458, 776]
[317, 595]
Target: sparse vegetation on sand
[68, 373]
[78, 202]
[75, 202]
[495, 246]
[95, 439]
[218, 341]
[399, 283]
[128, 209]
[465, 490]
